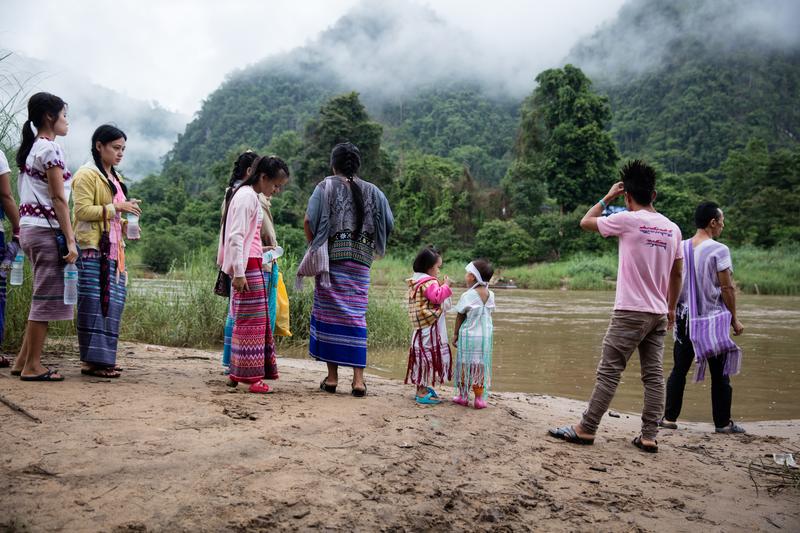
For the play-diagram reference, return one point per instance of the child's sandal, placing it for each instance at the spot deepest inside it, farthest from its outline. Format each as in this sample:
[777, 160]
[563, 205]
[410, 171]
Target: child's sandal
[429, 399]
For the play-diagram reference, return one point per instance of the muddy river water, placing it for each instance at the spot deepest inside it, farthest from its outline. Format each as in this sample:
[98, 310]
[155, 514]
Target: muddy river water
[548, 342]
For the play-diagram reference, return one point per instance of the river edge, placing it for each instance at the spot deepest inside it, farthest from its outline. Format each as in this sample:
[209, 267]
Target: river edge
[170, 447]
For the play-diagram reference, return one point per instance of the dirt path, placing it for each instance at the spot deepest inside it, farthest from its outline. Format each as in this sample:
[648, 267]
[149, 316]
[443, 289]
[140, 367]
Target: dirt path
[170, 448]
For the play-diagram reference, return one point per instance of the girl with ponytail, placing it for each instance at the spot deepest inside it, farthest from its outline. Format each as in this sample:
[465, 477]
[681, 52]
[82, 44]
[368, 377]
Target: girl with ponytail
[101, 198]
[44, 190]
[348, 221]
[252, 356]
[240, 170]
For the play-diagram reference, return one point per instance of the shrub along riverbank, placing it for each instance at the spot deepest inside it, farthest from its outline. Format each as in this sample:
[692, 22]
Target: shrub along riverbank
[180, 309]
[756, 271]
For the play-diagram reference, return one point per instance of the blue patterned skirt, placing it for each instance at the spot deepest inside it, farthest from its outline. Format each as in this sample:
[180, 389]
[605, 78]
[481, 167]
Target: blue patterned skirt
[339, 316]
[98, 334]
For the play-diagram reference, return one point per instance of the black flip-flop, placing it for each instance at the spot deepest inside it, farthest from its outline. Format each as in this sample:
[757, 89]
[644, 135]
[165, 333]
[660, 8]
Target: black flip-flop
[323, 386]
[16, 372]
[637, 441]
[359, 393]
[568, 434]
[108, 373]
[47, 376]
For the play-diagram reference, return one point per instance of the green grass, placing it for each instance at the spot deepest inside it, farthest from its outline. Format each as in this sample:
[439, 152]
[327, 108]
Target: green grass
[180, 309]
[194, 316]
[579, 272]
[756, 271]
[773, 271]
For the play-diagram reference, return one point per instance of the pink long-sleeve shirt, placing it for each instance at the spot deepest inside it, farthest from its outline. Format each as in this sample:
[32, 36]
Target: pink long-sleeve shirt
[242, 229]
[437, 294]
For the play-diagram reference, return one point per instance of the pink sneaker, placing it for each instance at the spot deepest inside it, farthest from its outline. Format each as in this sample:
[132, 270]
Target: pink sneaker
[460, 401]
[480, 403]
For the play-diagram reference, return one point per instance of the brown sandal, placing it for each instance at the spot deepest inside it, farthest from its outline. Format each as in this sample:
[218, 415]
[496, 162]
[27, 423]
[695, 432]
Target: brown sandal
[649, 448]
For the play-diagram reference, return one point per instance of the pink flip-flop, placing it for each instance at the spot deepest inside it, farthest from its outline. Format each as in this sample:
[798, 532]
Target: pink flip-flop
[260, 388]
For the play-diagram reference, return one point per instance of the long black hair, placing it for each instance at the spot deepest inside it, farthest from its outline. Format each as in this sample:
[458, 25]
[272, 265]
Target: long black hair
[239, 172]
[104, 135]
[271, 165]
[41, 107]
[346, 160]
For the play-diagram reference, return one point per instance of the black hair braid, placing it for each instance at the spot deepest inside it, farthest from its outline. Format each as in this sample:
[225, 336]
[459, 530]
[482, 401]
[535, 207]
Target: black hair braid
[239, 172]
[346, 159]
[40, 106]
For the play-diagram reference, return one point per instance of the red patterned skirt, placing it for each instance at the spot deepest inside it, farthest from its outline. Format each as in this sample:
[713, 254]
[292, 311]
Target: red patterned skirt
[252, 347]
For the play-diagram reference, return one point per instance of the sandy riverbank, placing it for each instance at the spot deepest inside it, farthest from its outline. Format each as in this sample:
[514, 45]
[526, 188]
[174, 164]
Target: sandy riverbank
[168, 447]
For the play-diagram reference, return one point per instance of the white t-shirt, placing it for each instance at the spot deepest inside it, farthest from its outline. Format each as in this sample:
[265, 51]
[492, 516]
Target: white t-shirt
[4, 168]
[35, 205]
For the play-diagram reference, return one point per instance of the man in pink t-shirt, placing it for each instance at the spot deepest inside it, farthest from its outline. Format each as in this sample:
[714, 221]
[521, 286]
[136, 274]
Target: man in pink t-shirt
[648, 284]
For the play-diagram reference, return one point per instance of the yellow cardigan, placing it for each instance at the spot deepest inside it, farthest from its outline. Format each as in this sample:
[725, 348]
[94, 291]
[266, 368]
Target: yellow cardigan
[90, 192]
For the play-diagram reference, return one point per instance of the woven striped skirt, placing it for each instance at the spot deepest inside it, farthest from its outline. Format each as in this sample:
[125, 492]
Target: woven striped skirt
[98, 334]
[339, 316]
[270, 284]
[3, 275]
[252, 348]
[47, 302]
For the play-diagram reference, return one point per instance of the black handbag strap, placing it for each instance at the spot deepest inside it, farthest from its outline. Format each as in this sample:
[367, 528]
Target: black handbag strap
[41, 205]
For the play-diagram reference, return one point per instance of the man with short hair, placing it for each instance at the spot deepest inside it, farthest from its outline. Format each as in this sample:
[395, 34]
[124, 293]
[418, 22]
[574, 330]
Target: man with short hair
[715, 292]
[648, 285]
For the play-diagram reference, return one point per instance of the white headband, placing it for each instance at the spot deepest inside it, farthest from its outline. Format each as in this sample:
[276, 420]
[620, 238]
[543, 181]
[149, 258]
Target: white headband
[474, 271]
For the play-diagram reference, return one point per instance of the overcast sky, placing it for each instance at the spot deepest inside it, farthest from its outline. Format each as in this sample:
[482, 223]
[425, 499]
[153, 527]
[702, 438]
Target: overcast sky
[177, 51]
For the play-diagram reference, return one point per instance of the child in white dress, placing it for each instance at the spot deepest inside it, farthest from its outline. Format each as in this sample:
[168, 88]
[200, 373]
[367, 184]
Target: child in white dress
[473, 335]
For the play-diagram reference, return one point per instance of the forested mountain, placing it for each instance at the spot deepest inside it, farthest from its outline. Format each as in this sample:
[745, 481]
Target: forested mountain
[688, 81]
[429, 100]
[708, 90]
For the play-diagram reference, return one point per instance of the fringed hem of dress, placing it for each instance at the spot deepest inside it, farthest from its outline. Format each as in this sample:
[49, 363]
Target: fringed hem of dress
[429, 365]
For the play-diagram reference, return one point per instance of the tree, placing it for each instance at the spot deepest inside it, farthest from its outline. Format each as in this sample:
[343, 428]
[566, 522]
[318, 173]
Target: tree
[761, 193]
[434, 202]
[524, 189]
[562, 134]
[504, 243]
[342, 118]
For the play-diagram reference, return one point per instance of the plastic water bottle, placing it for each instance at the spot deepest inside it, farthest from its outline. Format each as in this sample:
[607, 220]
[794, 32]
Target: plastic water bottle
[271, 255]
[70, 284]
[133, 232]
[17, 271]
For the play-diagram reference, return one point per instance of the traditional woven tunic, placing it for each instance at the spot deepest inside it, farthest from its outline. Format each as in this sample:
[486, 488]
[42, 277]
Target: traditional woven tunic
[475, 338]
